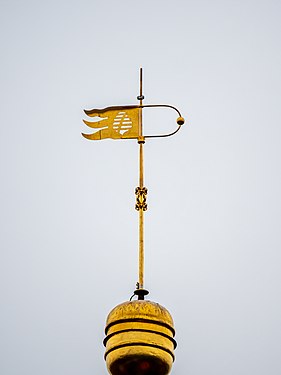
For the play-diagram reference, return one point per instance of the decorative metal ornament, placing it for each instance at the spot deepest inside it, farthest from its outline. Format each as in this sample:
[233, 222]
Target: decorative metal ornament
[114, 122]
[141, 194]
[123, 122]
[139, 334]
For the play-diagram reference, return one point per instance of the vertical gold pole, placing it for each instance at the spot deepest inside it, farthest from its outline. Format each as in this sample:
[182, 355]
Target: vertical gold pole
[141, 205]
[141, 213]
[141, 228]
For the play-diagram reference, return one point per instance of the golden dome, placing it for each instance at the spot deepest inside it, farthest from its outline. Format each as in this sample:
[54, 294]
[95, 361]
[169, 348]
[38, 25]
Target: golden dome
[139, 339]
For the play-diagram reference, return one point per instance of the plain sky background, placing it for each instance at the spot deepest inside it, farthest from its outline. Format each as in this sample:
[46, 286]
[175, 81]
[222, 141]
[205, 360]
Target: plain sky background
[69, 231]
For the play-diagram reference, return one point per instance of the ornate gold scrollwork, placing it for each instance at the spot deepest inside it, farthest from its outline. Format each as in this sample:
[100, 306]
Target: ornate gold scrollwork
[141, 194]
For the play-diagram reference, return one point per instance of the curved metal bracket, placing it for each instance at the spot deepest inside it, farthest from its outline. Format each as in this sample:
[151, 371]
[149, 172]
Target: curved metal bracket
[180, 120]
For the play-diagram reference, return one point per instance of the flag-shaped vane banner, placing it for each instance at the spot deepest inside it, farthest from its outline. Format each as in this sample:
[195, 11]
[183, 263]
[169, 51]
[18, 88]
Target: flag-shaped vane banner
[118, 122]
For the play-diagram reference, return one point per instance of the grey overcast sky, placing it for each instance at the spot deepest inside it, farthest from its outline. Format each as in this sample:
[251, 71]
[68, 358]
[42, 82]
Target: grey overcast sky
[68, 224]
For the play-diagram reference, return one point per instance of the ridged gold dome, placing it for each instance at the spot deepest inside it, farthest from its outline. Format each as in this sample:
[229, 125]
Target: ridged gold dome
[139, 339]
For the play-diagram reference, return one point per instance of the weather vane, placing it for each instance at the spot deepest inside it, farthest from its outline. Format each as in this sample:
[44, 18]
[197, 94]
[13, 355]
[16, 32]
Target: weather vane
[139, 333]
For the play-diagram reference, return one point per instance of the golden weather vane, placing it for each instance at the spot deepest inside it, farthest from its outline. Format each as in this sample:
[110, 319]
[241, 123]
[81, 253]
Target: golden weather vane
[125, 122]
[139, 333]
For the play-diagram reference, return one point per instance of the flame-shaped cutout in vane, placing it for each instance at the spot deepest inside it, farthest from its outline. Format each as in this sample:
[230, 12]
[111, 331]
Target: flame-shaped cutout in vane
[113, 122]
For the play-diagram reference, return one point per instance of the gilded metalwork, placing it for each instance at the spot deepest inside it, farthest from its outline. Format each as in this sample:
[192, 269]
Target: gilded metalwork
[139, 334]
[139, 339]
[114, 122]
[180, 120]
[141, 194]
[125, 122]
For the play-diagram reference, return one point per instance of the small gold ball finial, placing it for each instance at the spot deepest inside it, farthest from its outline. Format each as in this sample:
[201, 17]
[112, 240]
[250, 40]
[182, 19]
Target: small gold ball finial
[180, 120]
